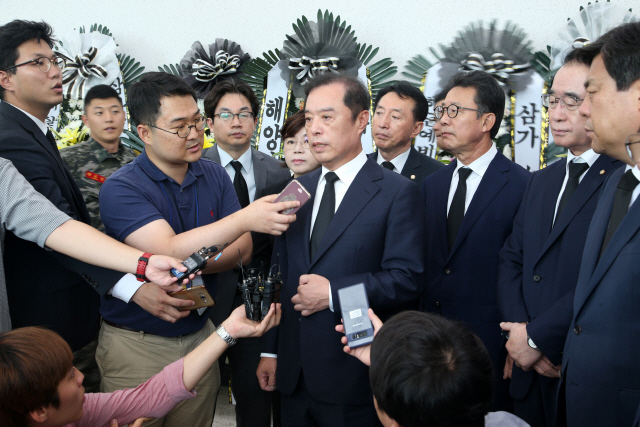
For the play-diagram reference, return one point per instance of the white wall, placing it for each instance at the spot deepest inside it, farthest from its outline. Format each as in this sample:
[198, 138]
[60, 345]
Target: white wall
[161, 31]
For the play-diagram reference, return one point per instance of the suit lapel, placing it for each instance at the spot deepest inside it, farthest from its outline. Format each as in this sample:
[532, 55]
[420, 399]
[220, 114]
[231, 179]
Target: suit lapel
[589, 185]
[412, 165]
[592, 267]
[259, 170]
[213, 154]
[29, 126]
[440, 196]
[359, 194]
[492, 182]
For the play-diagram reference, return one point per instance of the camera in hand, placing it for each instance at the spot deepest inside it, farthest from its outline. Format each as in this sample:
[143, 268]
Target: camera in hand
[198, 261]
[259, 292]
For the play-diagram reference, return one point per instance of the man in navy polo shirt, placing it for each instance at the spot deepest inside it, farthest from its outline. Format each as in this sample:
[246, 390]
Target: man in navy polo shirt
[168, 201]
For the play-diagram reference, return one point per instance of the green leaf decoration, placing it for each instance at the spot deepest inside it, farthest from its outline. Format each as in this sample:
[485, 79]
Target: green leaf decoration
[415, 69]
[131, 70]
[132, 141]
[256, 70]
[174, 69]
[553, 152]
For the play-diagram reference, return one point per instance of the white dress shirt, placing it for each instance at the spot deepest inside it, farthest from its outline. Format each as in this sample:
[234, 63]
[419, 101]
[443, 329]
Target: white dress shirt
[246, 160]
[128, 285]
[636, 191]
[398, 162]
[588, 157]
[478, 168]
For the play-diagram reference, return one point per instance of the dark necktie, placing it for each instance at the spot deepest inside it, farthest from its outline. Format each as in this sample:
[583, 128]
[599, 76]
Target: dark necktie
[627, 184]
[575, 172]
[456, 210]
[242, 191]
[388, 165]
[51, 139]
[325, 212]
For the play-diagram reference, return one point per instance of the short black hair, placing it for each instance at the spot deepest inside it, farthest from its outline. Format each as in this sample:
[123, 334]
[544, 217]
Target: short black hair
[224, 87]
[621, 54]
[405, 90]
[489, 95]
[100, 92]
[145, 95]
[430, 371]
[356, 96]
[440, 96]
[16, 32]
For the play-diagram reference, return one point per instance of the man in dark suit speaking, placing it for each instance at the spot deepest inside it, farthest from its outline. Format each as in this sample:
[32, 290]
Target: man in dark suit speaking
[540, 261]
[363, 224]
[398, 116]
[600, 373]
[470, 206]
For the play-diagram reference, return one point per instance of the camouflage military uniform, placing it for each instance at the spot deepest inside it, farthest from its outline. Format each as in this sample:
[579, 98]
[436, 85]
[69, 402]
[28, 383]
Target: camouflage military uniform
[90, 164]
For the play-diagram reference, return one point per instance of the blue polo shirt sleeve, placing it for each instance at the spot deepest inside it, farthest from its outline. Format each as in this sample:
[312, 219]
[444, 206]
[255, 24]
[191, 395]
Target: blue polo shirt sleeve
[125, 207]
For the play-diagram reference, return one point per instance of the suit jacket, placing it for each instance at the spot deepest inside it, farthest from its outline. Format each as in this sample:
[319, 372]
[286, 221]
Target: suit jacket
[266, 171]
[375, 238]
[461, 285]
[540, 262]
[46, 288]
[417, 167]
[600, 362]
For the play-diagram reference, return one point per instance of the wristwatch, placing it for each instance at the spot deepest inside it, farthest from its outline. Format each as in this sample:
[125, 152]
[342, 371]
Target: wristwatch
[142, 267]
[222, 332]
[531, 343]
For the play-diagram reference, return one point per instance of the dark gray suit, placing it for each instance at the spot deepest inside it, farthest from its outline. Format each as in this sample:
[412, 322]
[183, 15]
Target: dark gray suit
[417, 167]
[253, 405]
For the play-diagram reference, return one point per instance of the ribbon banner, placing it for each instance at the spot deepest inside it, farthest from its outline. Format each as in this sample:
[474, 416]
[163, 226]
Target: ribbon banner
[425, 142]
[77, 71]
[312, 67]
[225, 64]
[527, 124]
[501, 69]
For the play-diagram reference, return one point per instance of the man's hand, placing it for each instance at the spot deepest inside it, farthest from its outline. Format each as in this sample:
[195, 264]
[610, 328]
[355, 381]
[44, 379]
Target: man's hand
[155, 300]
[159, 267]
[508, 368]
[545, 368]
[313, 294]
[265, 217]
[522, 354]
[267, 373]
[362, 353]
[238, 326]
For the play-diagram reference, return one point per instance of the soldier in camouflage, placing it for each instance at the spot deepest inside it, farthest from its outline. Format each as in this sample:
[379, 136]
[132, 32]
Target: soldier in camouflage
[93, 161]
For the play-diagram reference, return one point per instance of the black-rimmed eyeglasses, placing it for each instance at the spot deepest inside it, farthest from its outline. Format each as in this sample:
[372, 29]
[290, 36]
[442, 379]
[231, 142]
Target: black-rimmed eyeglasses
[184, 130]
[44, 63]
[452, 111]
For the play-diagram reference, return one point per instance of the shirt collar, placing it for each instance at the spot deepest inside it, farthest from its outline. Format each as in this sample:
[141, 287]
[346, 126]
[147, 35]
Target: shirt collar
[398, 161]
[481, 164]
[588, 156]
[42, 125]
[347, 172]
[194, 170]
[245, 160]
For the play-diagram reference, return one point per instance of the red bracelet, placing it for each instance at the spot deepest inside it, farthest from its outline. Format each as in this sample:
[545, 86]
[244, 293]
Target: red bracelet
[142, 267]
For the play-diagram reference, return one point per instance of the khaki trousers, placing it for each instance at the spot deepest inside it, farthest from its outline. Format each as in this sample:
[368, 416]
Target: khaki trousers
[127, 359]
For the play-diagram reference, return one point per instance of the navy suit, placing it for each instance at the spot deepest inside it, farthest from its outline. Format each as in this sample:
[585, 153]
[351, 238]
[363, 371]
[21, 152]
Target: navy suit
[46, 288]
[600, 364]
[417, 167]
[539, 268]
[461, 285]
[375, 238]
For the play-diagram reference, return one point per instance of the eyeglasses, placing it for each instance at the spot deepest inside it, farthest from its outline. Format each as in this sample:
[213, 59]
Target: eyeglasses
[184, 130]
[44, 63]
[632, 139]
[291, 144]
[569, 102]
[452, 111]
[227, 117]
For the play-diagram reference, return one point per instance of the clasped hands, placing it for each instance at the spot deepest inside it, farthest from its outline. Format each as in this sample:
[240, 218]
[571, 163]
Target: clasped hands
[523, 355]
